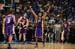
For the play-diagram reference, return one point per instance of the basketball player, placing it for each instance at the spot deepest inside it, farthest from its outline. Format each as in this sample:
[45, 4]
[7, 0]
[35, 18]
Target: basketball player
[23, 24]
[8, 26]
[39, 25]
[65, 29]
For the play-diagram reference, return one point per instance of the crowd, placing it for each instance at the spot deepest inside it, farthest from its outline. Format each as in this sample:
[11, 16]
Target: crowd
[59, 23]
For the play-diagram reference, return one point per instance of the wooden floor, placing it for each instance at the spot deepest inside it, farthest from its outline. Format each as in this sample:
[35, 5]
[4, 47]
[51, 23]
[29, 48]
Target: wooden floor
[47, 46]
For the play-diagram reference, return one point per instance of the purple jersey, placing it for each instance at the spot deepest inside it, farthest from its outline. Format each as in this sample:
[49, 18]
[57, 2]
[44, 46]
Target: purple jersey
[9, 25]
[9, 20]
[23, 30]
[39, 22]
[23, 21]
[39, 27]
[65, 25]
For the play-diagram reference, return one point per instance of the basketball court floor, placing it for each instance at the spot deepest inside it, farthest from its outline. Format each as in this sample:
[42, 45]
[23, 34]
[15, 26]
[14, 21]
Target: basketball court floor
[40, 46]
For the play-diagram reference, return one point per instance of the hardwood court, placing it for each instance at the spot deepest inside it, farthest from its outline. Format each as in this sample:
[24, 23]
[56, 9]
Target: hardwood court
[47, 46]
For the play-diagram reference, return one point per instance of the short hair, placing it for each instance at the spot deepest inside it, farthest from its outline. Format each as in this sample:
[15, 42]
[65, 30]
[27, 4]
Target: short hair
[40, 13]
[9, 12]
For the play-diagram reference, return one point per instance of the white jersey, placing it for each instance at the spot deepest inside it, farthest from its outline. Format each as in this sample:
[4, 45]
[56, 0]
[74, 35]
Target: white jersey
[57, 27]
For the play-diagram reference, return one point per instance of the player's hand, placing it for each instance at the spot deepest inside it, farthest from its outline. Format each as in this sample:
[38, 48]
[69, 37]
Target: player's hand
[24, 26]
[30, 7]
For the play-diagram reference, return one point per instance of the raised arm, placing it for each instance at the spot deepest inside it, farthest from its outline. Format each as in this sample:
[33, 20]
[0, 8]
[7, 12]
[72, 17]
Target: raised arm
[46, 12]
[33, 12]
